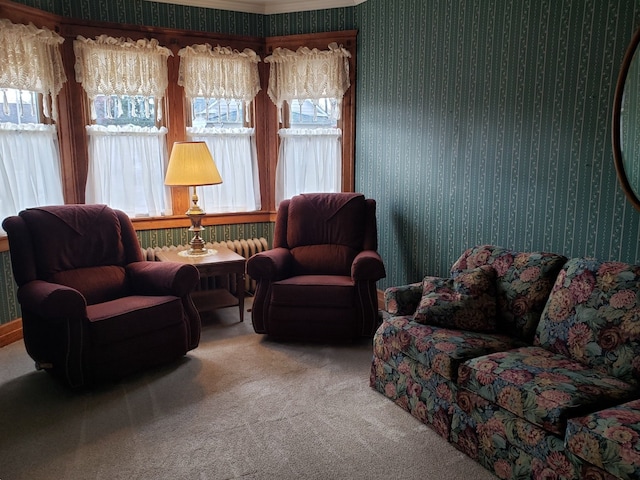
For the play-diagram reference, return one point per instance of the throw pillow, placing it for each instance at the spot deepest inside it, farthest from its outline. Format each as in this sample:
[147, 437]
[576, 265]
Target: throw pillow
[465, 302]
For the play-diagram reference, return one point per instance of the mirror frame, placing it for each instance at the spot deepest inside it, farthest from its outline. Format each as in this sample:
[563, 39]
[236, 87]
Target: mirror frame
[615, 130]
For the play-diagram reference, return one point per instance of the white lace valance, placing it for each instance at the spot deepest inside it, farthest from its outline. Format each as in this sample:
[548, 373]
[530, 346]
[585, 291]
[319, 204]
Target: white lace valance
[306, 132]
[219, 72]
[118, 66]
[118, 130]
[218, 132]
[308, 74]
[31, 60]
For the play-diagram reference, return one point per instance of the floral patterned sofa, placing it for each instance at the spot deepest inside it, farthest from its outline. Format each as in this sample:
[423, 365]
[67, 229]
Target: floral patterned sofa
[527, 362]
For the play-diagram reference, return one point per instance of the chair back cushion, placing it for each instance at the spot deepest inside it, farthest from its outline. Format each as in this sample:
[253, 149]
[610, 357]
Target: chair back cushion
[80, 246]
[325, 232]
[593, 316]
[523, 284]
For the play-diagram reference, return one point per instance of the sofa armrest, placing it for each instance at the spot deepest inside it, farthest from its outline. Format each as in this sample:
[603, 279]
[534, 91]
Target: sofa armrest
[403, 299]
[271, 264]
[368, 265]
[49, 300]
[162, 278]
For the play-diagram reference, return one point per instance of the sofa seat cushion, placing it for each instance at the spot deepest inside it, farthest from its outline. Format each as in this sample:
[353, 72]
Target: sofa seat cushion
[314, 291]
[542, 387]
[609, 439]
[117, 320]
[437, 348]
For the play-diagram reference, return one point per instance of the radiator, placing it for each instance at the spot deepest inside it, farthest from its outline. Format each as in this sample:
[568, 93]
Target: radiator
[243, 247]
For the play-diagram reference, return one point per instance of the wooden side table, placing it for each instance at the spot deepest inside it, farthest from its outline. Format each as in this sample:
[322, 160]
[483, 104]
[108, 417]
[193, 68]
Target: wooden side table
[223, 262]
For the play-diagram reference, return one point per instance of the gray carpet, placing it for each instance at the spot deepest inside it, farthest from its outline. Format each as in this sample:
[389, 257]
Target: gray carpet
[239, 406]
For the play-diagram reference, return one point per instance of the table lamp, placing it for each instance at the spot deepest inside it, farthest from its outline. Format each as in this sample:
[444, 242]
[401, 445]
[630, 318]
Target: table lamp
[191, 165]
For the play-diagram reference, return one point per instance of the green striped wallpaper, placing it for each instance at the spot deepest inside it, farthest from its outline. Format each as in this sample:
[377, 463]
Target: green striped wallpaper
[478, 121]
[488, 121]
[218, 233]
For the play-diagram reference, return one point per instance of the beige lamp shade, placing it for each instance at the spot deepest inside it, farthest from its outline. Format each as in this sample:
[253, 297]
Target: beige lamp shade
[191, 164]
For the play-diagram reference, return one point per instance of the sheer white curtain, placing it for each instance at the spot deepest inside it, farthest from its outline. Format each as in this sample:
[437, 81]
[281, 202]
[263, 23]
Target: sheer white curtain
[309, 159]
[127, 163]
[126, 169]
[234, 151]
[29, 154]
[227, 74]
[29, 167]
[308, 162]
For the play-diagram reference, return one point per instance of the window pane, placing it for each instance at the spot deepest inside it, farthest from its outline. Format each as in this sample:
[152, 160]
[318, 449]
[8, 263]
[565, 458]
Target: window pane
[317, 113]
[19, 106]
[135, 110]
[216, 112]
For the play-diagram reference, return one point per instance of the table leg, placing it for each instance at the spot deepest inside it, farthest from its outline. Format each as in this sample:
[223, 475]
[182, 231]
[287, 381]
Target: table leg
[240, 292]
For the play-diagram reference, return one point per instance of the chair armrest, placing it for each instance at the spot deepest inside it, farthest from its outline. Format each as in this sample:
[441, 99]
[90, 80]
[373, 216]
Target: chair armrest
[52, 300]
[271, 264]
[368, 265]
[163, 278]
[403, 300]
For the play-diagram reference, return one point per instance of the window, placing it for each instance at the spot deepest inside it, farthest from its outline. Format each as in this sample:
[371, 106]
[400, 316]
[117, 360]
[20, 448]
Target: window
[170, 118]
[312, 84]
[31, 77]
[125, 82]
[220, 84]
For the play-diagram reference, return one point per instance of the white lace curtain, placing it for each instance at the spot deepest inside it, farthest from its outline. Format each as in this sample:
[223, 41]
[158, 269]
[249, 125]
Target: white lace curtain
[224, 73]
[219, 72]
[118, 66]
[308, 74]
[31, 60]
[29, 155]
[126, 163]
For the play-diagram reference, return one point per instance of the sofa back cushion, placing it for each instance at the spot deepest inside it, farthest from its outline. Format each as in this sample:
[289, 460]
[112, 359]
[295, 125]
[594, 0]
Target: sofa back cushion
[593, 316]
[523, 284]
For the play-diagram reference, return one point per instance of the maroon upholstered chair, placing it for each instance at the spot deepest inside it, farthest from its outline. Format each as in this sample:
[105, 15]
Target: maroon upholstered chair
[319, 280]
[92, 309]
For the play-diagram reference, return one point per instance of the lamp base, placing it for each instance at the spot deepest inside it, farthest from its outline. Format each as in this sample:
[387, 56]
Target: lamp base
[197, 244]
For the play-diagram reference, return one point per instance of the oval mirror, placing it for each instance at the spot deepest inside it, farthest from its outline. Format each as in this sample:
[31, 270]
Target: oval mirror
[626, 123]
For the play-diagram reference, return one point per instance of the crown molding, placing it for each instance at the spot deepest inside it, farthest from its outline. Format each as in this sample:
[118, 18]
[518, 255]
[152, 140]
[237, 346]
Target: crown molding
[265, 7]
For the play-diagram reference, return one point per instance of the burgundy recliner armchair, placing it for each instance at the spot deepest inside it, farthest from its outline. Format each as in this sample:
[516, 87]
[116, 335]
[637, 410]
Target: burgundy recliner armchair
[92, 309]
[319, 280]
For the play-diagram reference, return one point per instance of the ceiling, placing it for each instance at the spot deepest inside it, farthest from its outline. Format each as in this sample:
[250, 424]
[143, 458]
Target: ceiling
[267, 7]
